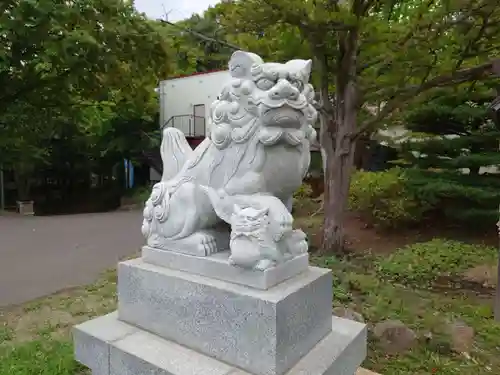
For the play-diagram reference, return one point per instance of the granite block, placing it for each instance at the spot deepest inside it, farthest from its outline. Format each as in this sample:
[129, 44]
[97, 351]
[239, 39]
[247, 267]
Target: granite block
[91, 341]
[346, 346]
[262, 331]
[216, 266]
[143, 353]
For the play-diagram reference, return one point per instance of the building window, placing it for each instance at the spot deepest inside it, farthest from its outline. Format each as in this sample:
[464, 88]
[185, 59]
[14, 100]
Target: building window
[199, 120]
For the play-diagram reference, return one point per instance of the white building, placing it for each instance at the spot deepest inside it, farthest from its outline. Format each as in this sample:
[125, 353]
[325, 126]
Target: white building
[185, 104]
[185, 101]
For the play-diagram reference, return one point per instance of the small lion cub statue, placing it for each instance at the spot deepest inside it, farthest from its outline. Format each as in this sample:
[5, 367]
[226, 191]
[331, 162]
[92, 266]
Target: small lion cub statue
[259, 243]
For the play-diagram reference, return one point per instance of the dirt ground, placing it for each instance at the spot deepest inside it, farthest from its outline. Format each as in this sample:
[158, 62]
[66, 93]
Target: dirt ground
[361, 237]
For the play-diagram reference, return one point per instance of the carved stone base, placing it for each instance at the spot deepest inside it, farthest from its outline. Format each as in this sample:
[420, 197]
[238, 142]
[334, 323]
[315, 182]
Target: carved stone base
[262, 331]
[110, 347]
[202, 243]
[216, 266]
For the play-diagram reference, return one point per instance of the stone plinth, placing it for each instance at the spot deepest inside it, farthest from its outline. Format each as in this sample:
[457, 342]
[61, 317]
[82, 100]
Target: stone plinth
[110, 347]
[265, 332]
[217, 266]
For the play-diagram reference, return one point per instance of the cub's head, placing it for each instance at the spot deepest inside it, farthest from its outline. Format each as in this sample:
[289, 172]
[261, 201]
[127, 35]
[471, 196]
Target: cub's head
[249, 219]
[278, 95]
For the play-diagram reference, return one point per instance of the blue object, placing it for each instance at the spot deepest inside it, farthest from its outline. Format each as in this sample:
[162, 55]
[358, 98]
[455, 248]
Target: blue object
[130, 174]
[125, 165]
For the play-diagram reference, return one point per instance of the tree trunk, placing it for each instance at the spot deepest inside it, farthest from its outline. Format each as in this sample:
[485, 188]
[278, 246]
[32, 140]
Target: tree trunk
[339, 146]
[362, 152]
[23, 184]
[497, 294]
[474, 171]
[340, 164]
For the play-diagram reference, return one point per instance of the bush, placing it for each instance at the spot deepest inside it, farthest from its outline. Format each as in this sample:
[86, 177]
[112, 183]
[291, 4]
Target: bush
[384, 198]
[303, 203]
[423, 263]
[140, 194]
[303, 192]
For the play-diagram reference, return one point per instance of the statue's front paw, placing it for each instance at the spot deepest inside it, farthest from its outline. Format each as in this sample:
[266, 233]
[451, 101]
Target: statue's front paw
[146, 228]
[156, 241]
[264, 264]
[147, 213]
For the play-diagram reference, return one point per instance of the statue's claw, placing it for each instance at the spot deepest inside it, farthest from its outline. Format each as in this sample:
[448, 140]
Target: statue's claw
[207, 243]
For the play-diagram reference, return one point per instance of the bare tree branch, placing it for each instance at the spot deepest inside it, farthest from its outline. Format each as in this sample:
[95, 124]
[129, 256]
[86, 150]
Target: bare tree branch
[476, 73]
[401, 43]
[202, 36]
[465, 54]
[474, 40]
[6, 4]
[368, 5]
[467, 11]
[299, 20]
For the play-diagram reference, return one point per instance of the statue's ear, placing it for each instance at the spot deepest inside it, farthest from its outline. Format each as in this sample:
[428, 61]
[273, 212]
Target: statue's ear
[300, 69]
[241, 62]
[306, 70]
[263, 211]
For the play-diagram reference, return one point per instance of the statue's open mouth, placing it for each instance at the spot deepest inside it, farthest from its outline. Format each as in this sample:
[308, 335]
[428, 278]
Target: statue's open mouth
[283, 117]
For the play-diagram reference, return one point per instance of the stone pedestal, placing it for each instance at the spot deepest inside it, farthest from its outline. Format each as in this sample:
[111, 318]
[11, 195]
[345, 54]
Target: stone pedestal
[182, 315]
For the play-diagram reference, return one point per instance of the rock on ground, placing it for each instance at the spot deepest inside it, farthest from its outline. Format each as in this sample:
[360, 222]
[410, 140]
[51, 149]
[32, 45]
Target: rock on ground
[461, 336]
[346, 313]
[485, 275]
[394, 336]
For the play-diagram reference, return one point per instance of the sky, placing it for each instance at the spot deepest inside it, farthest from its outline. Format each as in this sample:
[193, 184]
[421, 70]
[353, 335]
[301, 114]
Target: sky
[176, 9]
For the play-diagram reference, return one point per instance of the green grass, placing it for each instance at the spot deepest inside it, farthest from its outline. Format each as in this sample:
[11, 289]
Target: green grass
[139, 195]
[6, 334]
[358, 286]
[35, 338]
[422, 264]
[47, 357]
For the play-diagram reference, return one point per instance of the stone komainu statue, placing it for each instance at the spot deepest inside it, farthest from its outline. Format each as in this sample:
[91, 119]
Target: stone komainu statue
[233, 190]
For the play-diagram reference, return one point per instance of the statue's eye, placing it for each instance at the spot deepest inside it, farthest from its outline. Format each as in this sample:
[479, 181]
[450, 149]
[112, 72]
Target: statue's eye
[297, 84]
[264, 83]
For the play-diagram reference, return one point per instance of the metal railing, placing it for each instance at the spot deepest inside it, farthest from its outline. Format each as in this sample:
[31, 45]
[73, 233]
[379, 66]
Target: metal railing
[191, 125]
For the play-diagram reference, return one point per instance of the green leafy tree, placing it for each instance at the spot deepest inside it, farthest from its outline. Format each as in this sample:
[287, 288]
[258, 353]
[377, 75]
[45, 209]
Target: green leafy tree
[198, 43]
[370, 53]
[87, 44]
[64, 67]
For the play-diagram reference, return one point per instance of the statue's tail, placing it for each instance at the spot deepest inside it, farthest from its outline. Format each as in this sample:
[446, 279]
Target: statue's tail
[175, 151]
[222, 204]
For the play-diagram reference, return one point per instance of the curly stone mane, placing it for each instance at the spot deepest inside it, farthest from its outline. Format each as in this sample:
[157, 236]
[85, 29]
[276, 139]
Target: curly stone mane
[238, 114]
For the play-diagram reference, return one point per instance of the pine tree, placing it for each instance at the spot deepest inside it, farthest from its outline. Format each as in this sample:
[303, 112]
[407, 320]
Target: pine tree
[453, 155]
